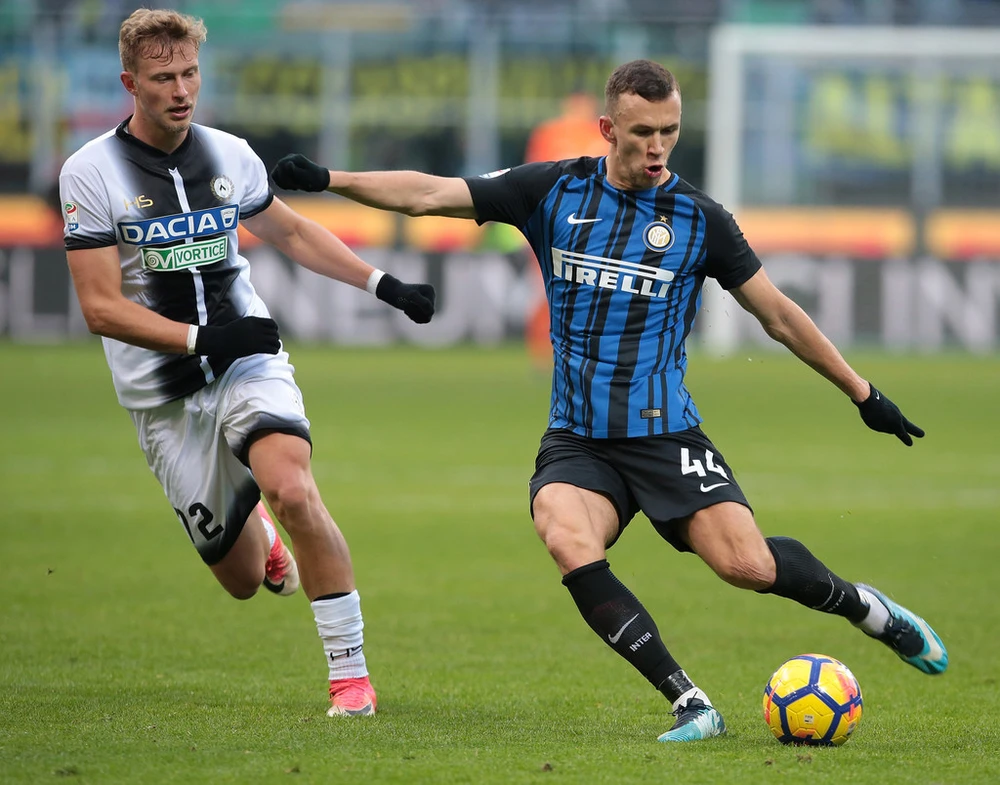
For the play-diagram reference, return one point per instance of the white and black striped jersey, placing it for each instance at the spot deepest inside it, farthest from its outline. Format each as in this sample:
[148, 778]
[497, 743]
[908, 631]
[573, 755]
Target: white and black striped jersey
[173, 217]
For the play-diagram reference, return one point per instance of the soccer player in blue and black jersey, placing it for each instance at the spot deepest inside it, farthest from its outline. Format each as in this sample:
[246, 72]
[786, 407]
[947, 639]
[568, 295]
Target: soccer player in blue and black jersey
[624, 246]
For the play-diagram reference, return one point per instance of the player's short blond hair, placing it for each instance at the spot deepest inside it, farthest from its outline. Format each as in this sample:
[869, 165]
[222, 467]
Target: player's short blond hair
[154, 33]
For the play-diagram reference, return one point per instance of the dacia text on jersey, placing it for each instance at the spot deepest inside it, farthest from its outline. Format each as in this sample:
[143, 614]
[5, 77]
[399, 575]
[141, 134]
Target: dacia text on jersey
[181, 226]
[185, 227]
[606, 273]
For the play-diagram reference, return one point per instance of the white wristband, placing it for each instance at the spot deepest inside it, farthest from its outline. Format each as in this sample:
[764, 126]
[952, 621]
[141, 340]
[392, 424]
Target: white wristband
[192, 338]
[373, 280]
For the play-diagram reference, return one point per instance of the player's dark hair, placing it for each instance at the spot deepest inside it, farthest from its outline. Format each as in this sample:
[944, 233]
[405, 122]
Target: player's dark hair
[155, 33]
[644, 78]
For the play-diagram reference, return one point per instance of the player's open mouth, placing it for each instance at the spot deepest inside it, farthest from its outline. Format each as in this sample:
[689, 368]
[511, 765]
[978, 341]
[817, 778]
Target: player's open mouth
[180, 112]
[654, 171]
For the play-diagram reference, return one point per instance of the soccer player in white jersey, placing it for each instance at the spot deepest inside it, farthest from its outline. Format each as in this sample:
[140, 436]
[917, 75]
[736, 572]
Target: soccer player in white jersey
[151, 212]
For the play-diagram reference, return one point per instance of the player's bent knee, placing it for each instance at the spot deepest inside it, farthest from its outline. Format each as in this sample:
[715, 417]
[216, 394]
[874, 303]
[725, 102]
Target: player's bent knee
[242, 593]
[240, 573]
[572, 547]
[242, 588]
[746, 573]
[292, 501]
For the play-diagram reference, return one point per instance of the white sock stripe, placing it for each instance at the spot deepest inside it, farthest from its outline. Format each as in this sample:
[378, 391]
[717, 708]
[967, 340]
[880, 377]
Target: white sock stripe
[878, 614]
[272, 534]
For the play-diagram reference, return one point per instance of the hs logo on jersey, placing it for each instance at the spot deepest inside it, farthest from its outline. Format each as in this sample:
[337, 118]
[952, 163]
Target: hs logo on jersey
[138, 203]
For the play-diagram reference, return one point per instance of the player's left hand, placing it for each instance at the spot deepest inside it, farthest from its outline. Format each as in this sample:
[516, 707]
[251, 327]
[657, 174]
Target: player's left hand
[295, 172]
[882, 415]
[416, 300]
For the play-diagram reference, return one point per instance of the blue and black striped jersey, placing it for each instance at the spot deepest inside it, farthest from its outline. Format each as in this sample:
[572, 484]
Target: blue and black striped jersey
[623, 272]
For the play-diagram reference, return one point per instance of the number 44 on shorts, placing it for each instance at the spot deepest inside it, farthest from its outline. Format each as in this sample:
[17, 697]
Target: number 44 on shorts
[691, 465]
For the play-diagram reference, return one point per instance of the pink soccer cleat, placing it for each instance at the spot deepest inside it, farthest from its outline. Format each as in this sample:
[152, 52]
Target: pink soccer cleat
[281, 574]
[351, 698]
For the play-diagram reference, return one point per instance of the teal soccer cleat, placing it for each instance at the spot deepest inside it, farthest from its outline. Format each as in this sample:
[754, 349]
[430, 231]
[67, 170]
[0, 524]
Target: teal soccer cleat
[910, 637]
[696, 720]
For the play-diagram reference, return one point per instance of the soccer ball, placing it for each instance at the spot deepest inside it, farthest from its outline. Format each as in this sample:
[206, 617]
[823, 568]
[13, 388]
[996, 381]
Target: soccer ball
[812, 699]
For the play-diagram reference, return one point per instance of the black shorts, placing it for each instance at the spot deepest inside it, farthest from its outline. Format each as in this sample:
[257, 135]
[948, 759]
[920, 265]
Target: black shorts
[668, 477]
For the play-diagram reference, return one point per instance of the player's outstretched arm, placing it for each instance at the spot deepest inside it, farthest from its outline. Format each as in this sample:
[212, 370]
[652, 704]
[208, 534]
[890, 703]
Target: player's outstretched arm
[784, 321]
[318, 249]
[98, 280]
[407, 192]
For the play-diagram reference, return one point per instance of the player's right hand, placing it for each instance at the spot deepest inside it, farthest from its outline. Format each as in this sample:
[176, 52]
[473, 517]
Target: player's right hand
[416, 300]
[882, 415]
[295, 172]
[246, 336]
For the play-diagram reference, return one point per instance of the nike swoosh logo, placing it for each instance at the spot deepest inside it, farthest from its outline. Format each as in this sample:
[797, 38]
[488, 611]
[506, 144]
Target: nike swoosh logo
[934, 652]
[707, 488]
[614, 638]
[574, 220]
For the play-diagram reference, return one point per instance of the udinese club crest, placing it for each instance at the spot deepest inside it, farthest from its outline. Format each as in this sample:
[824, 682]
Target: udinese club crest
[222, 187]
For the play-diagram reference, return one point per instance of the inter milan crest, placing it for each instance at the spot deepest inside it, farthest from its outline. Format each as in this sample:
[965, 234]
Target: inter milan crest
[658, 236]
[222, 187]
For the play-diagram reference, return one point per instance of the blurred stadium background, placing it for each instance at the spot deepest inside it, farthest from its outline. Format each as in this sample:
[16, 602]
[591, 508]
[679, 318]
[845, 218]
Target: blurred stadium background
[857, 141]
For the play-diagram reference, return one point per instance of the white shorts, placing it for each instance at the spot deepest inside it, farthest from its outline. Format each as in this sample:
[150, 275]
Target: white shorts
[197, 446]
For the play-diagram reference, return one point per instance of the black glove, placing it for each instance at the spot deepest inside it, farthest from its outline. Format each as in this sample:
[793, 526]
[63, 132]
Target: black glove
[295, 172]
[416, 300]
[882, 415]
[246, 336]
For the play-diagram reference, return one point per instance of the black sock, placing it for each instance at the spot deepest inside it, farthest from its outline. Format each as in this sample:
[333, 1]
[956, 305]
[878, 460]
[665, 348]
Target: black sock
[802, 577]
[620, 620]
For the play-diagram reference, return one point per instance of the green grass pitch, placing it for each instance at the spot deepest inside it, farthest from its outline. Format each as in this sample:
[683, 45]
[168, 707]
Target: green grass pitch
[121, 660]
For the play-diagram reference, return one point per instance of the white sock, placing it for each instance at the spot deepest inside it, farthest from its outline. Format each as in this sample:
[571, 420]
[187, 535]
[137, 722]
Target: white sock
[339, 624]
[694, 692]
[878, 615]
[272, 535]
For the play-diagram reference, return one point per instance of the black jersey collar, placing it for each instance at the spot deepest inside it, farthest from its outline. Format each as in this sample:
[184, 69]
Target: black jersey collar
[122, 133]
